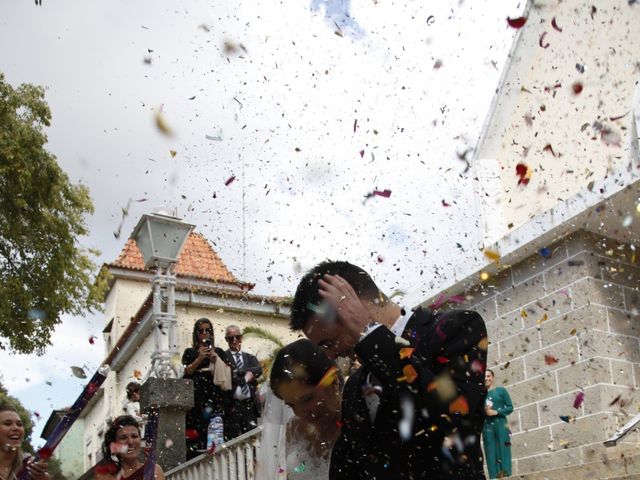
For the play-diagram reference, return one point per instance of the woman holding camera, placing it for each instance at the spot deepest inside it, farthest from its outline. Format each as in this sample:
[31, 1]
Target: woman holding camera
[209, 397]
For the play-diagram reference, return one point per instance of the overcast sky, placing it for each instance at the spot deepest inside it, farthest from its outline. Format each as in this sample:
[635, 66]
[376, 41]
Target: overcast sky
[310, 105]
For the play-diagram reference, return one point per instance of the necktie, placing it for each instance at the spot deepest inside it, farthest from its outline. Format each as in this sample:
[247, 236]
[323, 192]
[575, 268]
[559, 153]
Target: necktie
[240, 364]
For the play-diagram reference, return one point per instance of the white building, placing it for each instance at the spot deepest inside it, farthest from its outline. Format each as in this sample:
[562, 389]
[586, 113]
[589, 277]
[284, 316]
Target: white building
[205, 288]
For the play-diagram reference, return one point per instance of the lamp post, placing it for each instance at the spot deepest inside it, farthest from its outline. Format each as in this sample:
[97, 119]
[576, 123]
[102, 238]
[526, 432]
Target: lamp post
[160, 238]
[164, 394]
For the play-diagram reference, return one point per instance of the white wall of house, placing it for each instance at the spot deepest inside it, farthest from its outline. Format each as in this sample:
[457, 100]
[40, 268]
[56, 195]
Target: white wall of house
[536, 106]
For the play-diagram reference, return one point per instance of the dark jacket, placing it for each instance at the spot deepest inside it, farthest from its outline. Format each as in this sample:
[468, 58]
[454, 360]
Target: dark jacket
[445, 399]
[250, 364]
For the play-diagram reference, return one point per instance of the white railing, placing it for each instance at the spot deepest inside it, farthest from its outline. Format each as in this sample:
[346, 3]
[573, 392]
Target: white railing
[234, 460]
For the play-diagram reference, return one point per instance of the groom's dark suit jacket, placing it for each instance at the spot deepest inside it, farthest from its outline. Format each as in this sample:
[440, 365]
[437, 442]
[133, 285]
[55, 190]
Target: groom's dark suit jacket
[427, 427]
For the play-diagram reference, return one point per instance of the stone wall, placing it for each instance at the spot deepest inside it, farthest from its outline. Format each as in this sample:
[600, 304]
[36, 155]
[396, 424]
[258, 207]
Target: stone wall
[559, 326]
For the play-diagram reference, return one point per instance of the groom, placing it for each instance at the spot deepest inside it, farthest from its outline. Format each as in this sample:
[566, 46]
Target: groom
[415, 409]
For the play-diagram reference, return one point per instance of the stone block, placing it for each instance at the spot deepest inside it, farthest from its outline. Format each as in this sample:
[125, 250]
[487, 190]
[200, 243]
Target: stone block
[554, 304]
[504, 326]
[583, 374]
[550, 358]
[585, 430]
[172, 397]
[617, 347]
[499, 282]
[487, 309]
[519, 344]
[622, 322]
[632, 301]
[559, 459]
[535, 264]
[636, 374]
[591, 290]
[509, 372]
[526, 444]
[529, 418]
[575, 322]
[519, 295]
[603, 246]
[622, 373]
[552, 408]
[601, 398]
[533, 390]
[620, 273]
[513, 421]
[579, 266]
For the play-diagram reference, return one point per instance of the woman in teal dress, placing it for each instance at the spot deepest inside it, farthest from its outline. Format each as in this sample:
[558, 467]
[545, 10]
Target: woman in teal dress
[495, 433]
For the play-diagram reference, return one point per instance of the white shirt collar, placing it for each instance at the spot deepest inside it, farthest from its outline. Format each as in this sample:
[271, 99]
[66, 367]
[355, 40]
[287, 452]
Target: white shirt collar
[398, 327]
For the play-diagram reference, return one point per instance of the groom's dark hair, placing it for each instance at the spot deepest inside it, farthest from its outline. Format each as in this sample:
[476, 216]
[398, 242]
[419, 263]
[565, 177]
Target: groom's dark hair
[307, 292]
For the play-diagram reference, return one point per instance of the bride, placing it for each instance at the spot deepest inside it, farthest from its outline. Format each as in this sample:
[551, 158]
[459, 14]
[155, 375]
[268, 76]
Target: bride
[304, 385]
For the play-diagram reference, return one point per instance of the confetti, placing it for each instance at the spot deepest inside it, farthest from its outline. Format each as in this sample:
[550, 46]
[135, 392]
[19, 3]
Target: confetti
[191, 434]
[545, 252]
[445, 204]
[615, 400]
[161, 123]
[577, 88]
[549, 148]
[92, 339]
[541, 41]
[577, 402]
[567, 418]
[78, 372]
[550, 359]
[168, 443]
[554, 24]
[380, 193]
[542, 319]
[116, 448]
[492, 255]
[484, 276]
[431, 19]
[137, 374]
[516, 22]
[406, 352]
[229, 180]
[410, 374]
[524, 174]
[477, 366]
[173, 153]
[36, 314]
[459, 405]
[300, 468]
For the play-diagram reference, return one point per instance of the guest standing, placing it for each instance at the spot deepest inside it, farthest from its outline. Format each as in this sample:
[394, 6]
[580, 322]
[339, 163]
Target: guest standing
[209, 398]
[122, 452]
[495, 433]
[244, 406]
[12, 460]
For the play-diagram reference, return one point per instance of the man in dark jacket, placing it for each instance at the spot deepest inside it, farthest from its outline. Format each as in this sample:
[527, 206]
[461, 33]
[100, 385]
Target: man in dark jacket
[244, 406]
[415, 409]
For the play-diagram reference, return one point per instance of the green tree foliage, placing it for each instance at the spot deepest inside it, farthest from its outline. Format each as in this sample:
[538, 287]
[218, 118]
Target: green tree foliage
[263, 334]
[55, 470]
[43, 271]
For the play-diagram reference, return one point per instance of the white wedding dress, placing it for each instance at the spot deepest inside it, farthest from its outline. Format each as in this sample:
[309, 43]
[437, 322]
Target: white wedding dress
[284, 454]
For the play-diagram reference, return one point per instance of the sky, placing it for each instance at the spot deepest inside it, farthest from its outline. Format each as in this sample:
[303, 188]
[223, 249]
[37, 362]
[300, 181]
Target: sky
[309, 106]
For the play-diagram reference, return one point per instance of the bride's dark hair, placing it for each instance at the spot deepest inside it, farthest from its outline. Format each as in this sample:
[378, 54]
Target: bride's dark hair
[300, 360]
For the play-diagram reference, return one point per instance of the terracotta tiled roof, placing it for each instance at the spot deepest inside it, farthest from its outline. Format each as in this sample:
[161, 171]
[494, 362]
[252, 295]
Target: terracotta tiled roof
[198, 260]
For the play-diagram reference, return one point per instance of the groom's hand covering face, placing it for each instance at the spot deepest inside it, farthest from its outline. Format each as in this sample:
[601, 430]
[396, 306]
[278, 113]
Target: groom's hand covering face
[338, 336]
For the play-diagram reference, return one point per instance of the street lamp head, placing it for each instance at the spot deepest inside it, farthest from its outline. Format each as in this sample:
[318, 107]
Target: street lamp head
[160, 239]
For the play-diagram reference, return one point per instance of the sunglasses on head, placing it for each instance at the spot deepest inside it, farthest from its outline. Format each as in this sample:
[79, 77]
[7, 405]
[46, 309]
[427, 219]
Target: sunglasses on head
[232, 338]
[205, 330]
